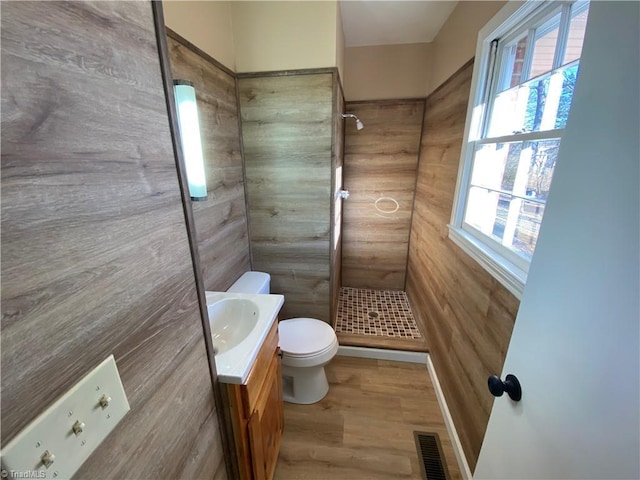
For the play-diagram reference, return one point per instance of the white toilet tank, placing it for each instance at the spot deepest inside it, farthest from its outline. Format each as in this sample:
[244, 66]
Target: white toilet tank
[252, 282]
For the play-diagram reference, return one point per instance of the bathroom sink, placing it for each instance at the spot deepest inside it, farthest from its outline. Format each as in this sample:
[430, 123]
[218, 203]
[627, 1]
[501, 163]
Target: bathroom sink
[231, 321]
[239, 325]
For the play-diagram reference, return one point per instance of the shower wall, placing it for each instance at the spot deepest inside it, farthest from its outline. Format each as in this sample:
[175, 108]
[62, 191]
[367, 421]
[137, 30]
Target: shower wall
[287, 129]
[380, 167]
[336, 214]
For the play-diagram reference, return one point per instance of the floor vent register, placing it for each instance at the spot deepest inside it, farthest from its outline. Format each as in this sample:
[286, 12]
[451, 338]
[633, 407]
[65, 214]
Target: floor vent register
[430, 455]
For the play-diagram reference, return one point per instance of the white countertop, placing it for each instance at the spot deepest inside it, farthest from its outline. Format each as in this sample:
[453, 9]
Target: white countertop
[234, 365]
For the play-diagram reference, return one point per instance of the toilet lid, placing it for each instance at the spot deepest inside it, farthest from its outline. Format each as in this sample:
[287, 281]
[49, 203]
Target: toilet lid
[305, 336]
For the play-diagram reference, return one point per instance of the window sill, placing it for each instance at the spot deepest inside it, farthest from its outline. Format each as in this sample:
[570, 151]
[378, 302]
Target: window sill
[512, 277]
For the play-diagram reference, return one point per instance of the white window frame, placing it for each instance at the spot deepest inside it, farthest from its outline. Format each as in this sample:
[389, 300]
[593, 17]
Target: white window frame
[507, 267]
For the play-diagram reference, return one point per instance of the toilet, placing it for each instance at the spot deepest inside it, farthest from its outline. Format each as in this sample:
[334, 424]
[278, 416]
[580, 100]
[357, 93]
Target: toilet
[306, 344]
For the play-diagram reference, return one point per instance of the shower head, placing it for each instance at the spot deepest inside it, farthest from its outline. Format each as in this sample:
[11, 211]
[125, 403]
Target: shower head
[359, 124]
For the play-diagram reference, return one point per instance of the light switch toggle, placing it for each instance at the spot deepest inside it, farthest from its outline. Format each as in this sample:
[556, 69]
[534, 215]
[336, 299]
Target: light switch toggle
[78, 427]
[47, 458]
[105, 400]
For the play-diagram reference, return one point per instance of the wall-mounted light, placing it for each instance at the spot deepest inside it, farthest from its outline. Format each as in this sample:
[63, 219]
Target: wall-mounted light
[189, 127]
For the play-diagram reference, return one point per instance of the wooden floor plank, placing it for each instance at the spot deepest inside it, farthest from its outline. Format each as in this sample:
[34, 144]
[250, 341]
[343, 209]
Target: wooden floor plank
[363, 428]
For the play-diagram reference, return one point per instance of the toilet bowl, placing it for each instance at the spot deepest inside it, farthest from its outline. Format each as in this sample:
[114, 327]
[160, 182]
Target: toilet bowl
[306, 344]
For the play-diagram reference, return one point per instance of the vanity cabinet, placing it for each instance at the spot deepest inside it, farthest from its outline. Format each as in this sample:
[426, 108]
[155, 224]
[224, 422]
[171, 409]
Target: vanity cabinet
[257, 413]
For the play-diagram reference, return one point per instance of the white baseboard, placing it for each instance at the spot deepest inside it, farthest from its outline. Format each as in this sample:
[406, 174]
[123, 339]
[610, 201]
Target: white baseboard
[451, 428]
[383, 354]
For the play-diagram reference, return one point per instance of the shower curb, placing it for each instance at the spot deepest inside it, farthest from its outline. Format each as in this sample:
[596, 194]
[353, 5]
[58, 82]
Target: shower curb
[383, 354]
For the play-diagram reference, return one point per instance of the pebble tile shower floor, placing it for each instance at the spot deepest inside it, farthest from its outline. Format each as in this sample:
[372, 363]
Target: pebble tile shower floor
[383, 313]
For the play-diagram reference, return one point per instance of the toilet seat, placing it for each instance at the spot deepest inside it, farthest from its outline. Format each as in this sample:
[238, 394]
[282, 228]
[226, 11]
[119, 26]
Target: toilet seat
[305, 336]
[306, 342]
[307, 355]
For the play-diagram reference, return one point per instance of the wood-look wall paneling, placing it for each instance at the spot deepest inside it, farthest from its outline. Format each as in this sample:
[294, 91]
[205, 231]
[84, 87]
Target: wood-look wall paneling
[225, 428]
[338, 202]
[95, 251]
[221, 220]
[467, 314]
[380, 167]
[287, 134]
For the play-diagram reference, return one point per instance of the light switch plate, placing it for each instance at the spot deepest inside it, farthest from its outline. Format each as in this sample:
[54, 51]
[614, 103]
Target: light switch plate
[97, 403]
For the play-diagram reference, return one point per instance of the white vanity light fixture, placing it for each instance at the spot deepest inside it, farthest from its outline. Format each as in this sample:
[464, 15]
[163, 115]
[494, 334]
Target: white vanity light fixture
[189, 128]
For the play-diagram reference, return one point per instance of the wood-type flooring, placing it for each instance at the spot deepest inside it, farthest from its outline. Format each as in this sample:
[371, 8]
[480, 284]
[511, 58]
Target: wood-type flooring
[363, 428]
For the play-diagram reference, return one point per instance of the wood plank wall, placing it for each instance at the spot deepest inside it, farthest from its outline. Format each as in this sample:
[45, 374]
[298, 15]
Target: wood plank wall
[287, 134]
[95, 253]
[467, 315]
[381, 161]
[338, 203]
[221, 220]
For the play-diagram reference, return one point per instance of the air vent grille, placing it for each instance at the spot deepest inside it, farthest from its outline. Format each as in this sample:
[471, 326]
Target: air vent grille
[430, 456]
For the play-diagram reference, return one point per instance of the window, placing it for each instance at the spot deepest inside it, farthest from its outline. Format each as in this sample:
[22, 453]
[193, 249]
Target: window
[520, 101]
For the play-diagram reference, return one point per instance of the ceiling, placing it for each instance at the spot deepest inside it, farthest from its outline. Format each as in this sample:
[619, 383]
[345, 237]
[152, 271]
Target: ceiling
[379, 22]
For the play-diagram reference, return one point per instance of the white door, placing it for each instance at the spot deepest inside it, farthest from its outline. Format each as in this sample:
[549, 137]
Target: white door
[575, 345]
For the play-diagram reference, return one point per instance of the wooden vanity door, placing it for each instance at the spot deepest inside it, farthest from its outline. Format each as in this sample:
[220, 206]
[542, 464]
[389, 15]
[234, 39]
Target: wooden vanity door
[266, 424]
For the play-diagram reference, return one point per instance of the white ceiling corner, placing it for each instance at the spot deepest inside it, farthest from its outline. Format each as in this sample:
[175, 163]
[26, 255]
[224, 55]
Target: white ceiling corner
[384, 22]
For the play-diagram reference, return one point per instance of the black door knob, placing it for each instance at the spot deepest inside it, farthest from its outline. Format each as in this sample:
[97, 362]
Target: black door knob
[511, 385]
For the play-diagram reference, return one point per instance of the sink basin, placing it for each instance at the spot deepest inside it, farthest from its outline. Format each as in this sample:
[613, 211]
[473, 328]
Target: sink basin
[239, 325]
[231, 320]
